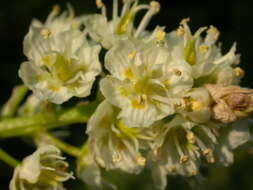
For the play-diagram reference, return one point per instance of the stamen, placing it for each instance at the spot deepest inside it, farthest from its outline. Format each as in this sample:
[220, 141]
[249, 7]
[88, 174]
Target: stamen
[45, 33]
[183, 159]
[116, 157]
[239, 72]
[203, 48]
[214, 31]
[56, 9]
[190, 137]
[141, 160]
[209, 155]
[115, 10]
[185, 21]
[160, 35]
[180, 31]
[99, 4]
[154, 9]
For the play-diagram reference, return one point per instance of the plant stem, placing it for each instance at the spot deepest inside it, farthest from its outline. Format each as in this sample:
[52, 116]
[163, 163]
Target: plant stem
[4, 156]
[10, 107]
[71, 150]
[25, 125]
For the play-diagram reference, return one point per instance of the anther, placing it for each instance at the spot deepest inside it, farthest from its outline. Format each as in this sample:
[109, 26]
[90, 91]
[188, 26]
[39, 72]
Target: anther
[183, 159]
[155, 6]
[141, 160]
[45, 33]
[180, 31]
[116, 157]
[239, 72]
[99, 4]
[203, 48]
[190, 137]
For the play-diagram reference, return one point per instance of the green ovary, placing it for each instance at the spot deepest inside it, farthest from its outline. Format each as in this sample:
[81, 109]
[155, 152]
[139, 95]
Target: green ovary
[60, 67]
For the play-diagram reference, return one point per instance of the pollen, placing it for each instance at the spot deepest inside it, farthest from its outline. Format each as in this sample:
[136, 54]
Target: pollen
[180, 31]
[239, 72]
[141, 160]
[45, 33]
[203, 48]
[99, 4]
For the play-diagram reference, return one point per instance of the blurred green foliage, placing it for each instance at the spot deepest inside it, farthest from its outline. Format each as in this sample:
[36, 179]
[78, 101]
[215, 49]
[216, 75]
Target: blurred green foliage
[233, 18]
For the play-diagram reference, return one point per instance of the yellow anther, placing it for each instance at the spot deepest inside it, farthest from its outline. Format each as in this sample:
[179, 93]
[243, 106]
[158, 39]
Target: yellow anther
[99, 4]
[177, 72]
[45, 33]
[172, 169]
[184, 21]
[56, 9]
[209, 155]
[190, 137]
[141, 160]
[239, 72]
[116, 157]
[203, 48]
[155, 6]
[183, 159]
[131, 55]
[193, 172]
[196, 105]
[160, 35]
[180, 31]
[191, 105]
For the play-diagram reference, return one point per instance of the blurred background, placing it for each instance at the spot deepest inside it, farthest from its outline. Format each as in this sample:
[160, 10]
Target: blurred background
[234, 18]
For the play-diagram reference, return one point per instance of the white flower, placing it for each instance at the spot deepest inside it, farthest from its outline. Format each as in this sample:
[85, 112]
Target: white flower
[45, 169]
[205, 57]
[178, 147]
[113, 144]
[59, 66]
[145, 82]
[107, 32]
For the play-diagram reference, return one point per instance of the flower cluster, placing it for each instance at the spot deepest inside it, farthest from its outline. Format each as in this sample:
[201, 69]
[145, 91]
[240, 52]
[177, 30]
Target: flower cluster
[170, 99]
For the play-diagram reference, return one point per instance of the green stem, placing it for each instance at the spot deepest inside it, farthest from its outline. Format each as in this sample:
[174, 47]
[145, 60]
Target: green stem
[10, 107]
[25, 125]
[71, 150]
[4, 156]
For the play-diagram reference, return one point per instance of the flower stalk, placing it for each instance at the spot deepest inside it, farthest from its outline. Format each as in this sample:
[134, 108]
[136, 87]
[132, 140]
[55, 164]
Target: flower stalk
[8, 159]
[24, 125]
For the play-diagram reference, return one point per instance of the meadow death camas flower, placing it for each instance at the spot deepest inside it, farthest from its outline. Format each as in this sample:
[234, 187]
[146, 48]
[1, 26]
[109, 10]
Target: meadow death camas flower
[61, 63]
[45, 169]
[145, 81]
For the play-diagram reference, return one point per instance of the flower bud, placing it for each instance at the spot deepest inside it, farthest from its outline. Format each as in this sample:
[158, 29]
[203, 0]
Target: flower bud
[231, 102]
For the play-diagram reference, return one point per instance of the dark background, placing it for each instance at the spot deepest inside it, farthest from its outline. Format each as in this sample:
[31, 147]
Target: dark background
[233, 18]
